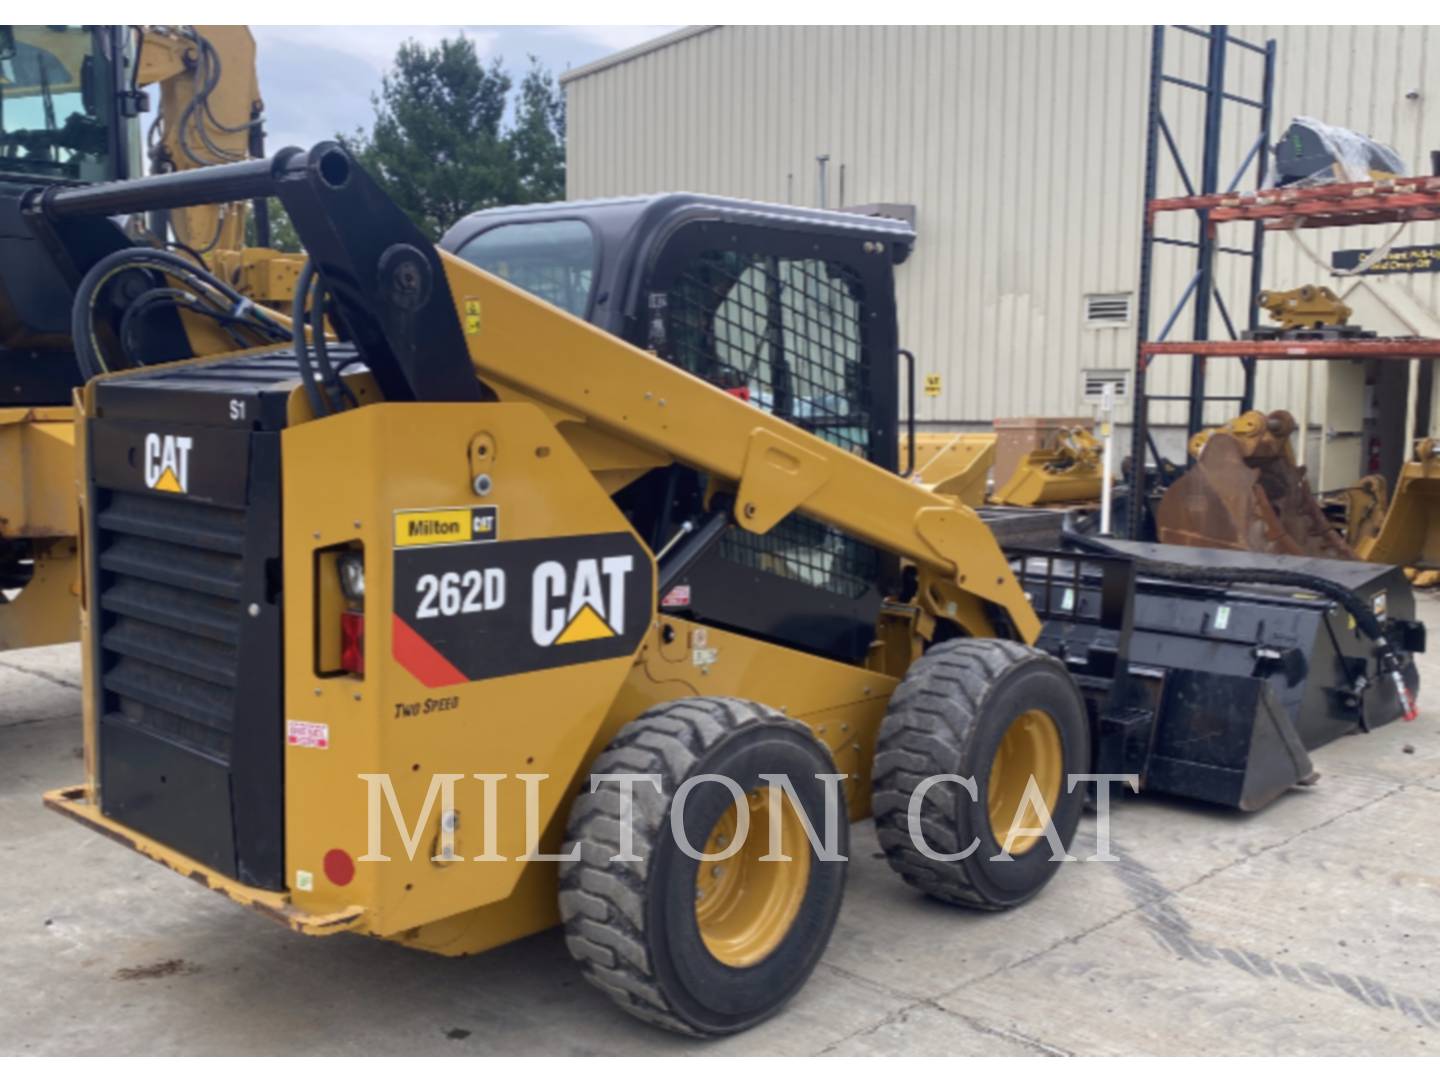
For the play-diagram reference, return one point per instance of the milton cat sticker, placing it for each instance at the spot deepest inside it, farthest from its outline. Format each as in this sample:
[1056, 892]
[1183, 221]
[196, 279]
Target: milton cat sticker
[466, 611]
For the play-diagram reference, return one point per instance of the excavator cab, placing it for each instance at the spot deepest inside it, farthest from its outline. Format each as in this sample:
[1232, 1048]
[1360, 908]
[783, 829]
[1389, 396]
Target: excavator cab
[59, 91]
[61, 122]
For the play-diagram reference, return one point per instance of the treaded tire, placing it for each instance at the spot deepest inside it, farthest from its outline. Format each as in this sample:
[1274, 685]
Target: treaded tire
[632, 925]
[948, 716]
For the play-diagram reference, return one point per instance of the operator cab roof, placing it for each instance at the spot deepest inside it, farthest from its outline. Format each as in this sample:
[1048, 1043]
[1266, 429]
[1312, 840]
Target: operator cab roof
[608, 245]
[640, 215]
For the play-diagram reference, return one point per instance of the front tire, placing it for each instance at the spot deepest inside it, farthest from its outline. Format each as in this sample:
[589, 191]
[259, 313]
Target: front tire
[999, 714]
[703, 948]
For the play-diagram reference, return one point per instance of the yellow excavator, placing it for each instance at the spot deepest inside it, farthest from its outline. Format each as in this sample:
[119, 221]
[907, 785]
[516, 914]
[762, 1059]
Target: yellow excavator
[70, 104]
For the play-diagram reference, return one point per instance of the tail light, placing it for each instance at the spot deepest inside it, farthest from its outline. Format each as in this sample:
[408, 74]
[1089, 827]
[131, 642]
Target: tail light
[351, 568]
[352, 642]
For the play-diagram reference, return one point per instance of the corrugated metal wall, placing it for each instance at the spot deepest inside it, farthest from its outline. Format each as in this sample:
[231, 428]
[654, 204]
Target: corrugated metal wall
[1022, 149]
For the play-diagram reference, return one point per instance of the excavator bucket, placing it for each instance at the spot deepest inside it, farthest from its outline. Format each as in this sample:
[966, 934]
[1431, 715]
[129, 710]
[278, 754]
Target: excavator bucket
[954, 464]
[1244, 492]
[1070, 473]
[1410, 535]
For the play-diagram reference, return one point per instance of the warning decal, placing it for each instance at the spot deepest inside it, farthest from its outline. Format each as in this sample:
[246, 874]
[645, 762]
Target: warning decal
[447, 525]
[303, 733]
[465, 613]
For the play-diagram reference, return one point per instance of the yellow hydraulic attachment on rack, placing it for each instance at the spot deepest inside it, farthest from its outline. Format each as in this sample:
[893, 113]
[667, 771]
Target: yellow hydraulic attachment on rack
[1310, 307]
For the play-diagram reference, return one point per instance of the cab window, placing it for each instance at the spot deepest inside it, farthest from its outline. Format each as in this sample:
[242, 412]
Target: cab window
[554, 260]
[55, 103]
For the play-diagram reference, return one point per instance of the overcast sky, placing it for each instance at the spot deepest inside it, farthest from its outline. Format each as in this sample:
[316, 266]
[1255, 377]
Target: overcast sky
[318, 81]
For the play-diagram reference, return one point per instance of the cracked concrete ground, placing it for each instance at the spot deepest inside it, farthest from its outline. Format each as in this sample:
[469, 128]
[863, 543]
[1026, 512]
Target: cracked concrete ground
[1313, 926]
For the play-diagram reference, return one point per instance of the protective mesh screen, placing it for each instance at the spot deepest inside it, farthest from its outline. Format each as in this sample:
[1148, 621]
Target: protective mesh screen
[788, 330]
[785, 332]
[809, 551]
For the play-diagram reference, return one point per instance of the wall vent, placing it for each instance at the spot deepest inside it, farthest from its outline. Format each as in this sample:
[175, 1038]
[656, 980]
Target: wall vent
[1108, 309]
[1094, 381]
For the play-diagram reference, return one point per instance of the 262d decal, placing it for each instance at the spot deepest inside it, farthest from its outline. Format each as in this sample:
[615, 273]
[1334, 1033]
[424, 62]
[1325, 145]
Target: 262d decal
[468, 611]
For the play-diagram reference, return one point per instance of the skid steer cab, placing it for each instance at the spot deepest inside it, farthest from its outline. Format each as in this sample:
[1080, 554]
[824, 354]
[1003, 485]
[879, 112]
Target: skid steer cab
[480, 613]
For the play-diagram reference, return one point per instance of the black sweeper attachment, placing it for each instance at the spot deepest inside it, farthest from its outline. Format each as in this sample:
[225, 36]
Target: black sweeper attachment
[1211, 674]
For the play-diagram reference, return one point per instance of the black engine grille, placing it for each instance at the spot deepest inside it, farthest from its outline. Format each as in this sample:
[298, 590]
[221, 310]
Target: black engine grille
[187, 640]
[172, 593]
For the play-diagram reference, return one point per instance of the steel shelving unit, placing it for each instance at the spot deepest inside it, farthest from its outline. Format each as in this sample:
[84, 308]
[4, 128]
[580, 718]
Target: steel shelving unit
[1372, 202]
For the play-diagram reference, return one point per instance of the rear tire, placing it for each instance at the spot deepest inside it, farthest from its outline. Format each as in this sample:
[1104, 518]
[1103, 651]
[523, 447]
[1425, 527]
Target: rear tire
[954, 711]
[665, 937]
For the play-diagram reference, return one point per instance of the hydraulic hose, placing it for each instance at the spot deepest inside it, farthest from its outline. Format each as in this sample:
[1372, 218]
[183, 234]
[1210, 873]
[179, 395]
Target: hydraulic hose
[318, 403]
[206, 286]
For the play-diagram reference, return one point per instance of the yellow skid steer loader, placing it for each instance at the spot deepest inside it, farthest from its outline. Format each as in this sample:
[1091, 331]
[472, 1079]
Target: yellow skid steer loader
[376, 629]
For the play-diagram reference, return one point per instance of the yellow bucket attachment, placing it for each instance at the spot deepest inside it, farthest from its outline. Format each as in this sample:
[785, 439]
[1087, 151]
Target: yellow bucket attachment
[951, 463]
[1411, 533]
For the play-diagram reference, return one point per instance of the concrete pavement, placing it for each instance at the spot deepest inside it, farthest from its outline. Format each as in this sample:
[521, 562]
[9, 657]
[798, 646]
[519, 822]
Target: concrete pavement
[1311, 927]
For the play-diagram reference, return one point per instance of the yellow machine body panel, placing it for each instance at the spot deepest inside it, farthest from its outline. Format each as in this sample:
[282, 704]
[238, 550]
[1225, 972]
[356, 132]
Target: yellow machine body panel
[37, 485]
[354, 479]
[37, 504]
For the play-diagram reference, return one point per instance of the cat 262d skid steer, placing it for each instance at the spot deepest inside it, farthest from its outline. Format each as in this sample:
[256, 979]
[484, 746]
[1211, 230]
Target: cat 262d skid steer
[476, 545]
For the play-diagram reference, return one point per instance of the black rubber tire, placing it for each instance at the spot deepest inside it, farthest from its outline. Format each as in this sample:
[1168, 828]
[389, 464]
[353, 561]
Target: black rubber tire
[947, 717]
[632, 925]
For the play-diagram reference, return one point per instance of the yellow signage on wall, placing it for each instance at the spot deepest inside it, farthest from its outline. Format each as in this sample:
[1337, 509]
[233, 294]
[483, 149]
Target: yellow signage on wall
[932, 384]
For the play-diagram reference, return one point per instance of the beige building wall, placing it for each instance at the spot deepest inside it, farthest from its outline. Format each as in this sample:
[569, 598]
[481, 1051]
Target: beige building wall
[1023, 151]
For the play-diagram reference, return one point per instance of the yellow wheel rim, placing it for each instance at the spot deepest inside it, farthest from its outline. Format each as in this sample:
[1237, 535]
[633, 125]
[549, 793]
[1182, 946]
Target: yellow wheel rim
[745, 907]
[1031, 747]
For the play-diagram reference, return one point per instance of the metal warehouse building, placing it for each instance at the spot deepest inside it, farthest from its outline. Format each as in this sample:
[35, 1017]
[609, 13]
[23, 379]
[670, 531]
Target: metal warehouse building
[1022, 153]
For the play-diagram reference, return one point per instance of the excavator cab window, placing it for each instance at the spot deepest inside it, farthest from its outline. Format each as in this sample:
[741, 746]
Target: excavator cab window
[554, 260]
[55, 118]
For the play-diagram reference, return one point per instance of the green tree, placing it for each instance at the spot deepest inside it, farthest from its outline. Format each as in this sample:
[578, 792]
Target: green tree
[440, 146]
[537, 141]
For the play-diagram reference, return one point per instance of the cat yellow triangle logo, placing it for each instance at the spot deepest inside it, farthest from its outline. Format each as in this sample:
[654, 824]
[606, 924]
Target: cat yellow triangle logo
[587, 625]
[167, 462]
[169, 482]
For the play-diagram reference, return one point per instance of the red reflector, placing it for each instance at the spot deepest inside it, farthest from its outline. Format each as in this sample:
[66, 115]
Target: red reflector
[339, 867]
[352, 642]
[742, 392]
